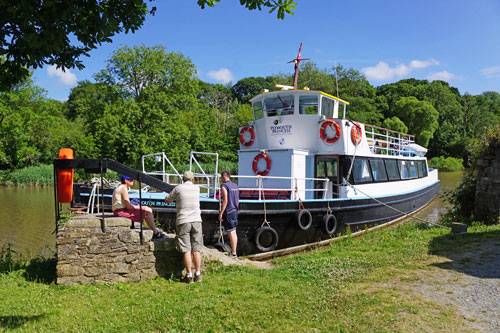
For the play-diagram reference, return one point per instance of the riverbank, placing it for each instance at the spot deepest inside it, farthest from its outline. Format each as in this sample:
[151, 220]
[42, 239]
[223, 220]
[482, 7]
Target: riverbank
[373, 283]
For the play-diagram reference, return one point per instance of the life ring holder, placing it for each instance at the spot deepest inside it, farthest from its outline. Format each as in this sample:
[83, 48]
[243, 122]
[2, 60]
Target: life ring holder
[334, 125]
[329, 224]
[356, 134]
[242, 136]
[65, 178]
[260, 233]
[256, 160]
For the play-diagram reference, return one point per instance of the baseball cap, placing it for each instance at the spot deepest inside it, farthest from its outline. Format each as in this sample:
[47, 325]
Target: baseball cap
[188, 175]
[126, 178]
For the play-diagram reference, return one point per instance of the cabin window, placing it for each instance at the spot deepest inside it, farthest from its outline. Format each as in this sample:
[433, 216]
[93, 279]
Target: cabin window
[378, 170]
[413, 169]
[279, 105]
[327, 106]
[308, 104]
[404, 169]
[419, 169]
[257, 110]
[424, 169]
[392, 169]
[361, 171]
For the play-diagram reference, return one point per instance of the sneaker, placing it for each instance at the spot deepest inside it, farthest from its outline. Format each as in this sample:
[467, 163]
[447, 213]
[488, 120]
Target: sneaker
[198, 278]
[234, 256]
[186, 279]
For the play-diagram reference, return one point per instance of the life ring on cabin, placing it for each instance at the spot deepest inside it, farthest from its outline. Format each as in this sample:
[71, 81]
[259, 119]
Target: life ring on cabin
[65, 178]
[334, 125]
[243, 131]
[329, 224]
[356, 134]
[255, 163]
[266, 239]
[304, 219]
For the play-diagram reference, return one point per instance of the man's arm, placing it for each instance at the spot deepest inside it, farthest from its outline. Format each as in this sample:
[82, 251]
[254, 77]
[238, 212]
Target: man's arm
[224, 202]
[171, 196]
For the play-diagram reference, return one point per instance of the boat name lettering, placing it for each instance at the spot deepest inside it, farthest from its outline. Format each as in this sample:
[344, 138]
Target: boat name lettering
[157, 203]
[281, 129]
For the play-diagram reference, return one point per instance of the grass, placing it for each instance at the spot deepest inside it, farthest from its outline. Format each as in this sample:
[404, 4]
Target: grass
[33, 175]
[356, 285]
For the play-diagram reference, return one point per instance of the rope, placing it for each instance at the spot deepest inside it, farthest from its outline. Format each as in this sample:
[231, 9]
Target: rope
[397, 210]
[301, 205]
[266, 222]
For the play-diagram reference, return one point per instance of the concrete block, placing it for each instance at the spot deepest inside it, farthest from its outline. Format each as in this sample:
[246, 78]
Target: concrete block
[458, 228]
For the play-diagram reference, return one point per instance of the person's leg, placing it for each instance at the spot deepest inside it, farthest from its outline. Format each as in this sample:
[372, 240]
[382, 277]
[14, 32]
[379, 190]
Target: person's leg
[233, 240]
[196, 260]
[148, 216]
[188, 263]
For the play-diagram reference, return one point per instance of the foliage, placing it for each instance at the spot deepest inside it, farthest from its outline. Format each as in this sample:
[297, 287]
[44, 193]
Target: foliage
[395, 124]
[420, 117]
[281, 6]
[446, 163]
[462, 200]
[33, 175]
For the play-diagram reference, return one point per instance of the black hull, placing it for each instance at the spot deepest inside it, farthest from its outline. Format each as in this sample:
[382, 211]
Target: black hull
[281, 215]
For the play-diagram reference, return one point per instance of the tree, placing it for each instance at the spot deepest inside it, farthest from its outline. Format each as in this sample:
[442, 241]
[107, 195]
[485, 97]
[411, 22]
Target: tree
[34, 33]
[249, 87]
[420, 117]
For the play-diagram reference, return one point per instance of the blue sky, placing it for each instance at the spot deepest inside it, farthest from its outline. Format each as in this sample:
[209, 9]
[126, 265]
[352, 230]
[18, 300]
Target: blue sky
[457, 41]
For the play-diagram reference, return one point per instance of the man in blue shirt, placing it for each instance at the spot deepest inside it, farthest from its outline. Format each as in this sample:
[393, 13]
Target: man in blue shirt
[229, 209]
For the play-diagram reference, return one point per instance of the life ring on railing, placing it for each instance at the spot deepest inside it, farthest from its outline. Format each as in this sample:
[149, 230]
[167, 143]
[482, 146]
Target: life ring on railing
[243, 131]
[255, 163]
[329, 224]
[266, 239]
[335, 126]
[304, 219]
[65, 178]
[356, 134]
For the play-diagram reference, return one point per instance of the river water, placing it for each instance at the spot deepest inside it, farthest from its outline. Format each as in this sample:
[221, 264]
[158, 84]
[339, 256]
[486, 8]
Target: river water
[27, 218]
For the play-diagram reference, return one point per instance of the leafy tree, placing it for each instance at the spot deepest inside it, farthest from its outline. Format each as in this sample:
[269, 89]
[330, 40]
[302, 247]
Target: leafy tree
[249, 87]
[34, 33]
[395, 124]
[420, 117]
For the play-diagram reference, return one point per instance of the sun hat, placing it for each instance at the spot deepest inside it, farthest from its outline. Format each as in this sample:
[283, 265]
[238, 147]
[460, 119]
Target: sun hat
[188, 175]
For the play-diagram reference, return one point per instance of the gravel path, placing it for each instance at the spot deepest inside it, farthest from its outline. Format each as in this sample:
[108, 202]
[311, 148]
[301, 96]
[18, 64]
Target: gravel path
[469, 281]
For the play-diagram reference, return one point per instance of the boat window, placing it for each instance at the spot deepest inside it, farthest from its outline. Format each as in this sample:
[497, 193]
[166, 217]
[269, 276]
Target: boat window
[327, 168]
[378, 170]
[419, 169]
[413, 169]
[279, 105]
[392, 169]
[424, 169]
[308, 104]
[327, 106]
[361, 171]
[404, 169]
[257, 110]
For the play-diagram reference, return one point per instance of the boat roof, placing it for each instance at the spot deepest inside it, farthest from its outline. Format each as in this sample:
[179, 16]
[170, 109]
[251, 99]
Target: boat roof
[275, 92]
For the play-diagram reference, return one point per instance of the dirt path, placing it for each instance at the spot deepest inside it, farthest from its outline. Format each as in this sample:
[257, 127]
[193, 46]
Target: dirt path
[468, 281]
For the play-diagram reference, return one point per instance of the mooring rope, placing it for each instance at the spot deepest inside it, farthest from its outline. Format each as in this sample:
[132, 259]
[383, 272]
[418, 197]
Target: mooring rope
[395, 209]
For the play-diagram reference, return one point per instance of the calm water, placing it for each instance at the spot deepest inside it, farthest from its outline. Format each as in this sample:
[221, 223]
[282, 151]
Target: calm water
[27, 218]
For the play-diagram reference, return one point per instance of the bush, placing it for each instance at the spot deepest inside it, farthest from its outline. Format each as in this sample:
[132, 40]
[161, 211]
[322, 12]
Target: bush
[33, 175]
[446, 164]
[462, 200]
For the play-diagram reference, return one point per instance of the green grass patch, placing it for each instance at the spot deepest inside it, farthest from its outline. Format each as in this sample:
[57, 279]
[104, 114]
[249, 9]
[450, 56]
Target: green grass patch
[33, 175]
[340, 288]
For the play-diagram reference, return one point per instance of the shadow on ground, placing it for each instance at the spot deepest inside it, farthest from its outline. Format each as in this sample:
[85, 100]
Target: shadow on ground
[13, 322]
[475, 254]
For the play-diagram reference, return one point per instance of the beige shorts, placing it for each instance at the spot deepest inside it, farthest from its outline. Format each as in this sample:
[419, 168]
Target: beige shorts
[189, 237]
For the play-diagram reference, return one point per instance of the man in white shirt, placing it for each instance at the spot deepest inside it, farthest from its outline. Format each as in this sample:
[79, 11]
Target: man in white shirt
[188, 227]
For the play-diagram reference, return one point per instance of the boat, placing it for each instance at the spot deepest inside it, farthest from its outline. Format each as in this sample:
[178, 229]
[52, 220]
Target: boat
[306, 173]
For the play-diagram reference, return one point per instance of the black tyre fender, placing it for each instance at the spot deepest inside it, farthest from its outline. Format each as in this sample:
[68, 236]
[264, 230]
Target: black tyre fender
[258, 238]
[223, 247]
[329, 224]
[304, 219]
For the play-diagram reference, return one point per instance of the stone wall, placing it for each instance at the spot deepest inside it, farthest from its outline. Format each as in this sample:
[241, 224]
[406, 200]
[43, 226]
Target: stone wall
[87, 254]
[487, 199]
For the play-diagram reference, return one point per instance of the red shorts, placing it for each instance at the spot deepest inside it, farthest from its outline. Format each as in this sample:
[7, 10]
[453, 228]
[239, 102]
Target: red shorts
[133, 214]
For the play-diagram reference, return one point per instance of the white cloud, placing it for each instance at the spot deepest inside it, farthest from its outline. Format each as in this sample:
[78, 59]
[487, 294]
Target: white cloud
[491, 71]
[443, 76]
[382, 71]
[223, 75]
[418, 64]
[65, 77]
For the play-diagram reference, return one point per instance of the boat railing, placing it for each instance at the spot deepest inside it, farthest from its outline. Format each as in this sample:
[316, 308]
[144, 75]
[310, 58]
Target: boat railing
[383, 141]
[160, 157]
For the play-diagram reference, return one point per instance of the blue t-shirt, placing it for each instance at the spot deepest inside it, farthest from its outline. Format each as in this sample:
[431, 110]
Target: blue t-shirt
[233, 197]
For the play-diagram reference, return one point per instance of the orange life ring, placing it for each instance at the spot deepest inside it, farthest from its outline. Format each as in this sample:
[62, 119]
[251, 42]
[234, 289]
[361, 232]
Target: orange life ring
[256, 161]
[242, 136]
[65, 178]
[356, 134]
[322, 131]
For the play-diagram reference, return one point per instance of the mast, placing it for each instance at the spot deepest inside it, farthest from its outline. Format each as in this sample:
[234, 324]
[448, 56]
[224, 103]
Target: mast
[296, 62]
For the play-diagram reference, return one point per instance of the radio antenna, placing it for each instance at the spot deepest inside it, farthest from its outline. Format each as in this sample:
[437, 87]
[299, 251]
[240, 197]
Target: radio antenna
[297, 61]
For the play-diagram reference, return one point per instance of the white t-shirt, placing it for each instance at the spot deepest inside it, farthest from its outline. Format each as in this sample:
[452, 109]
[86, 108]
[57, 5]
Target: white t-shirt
[187, 202]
